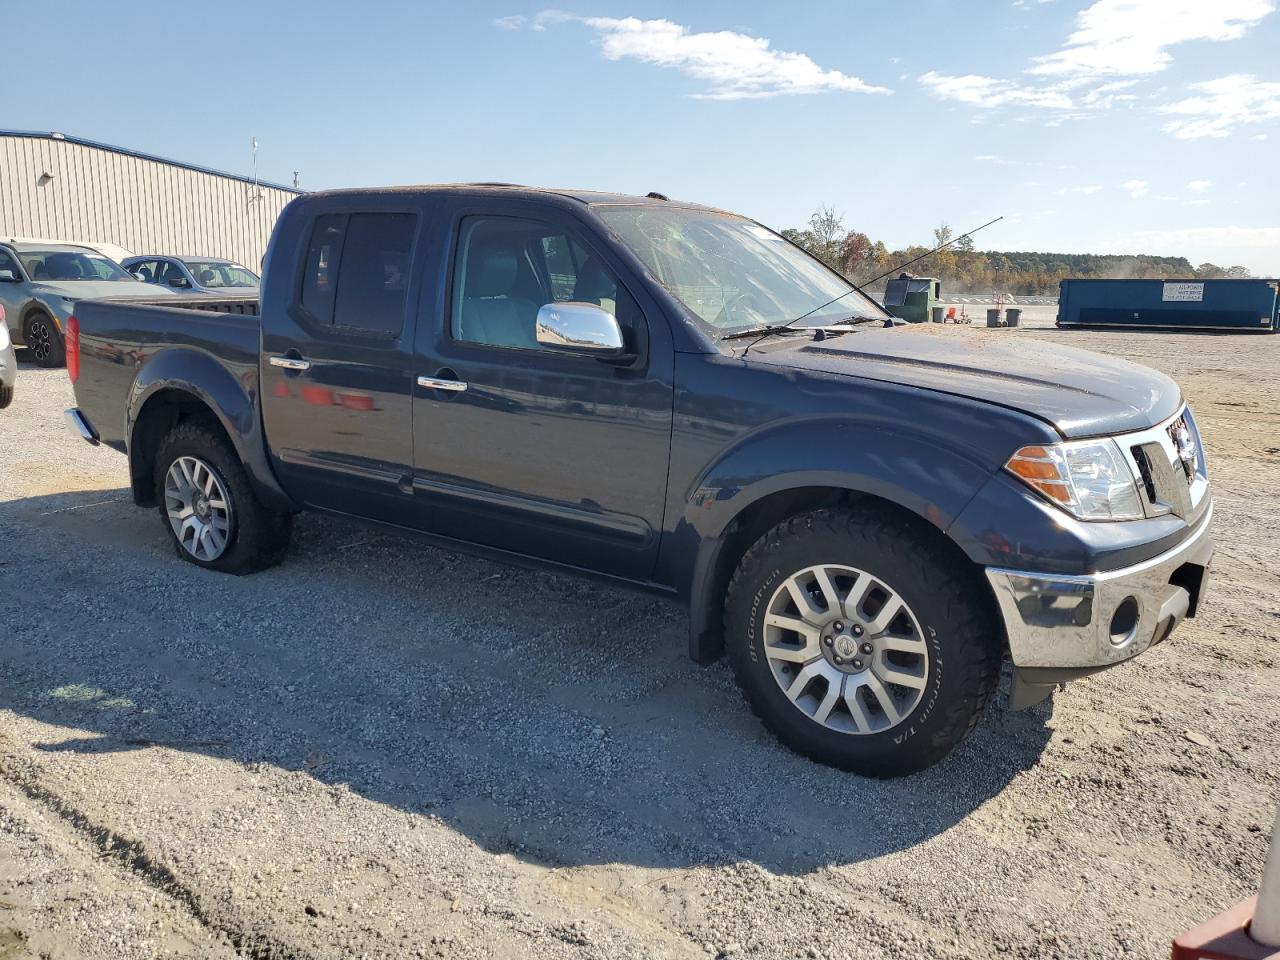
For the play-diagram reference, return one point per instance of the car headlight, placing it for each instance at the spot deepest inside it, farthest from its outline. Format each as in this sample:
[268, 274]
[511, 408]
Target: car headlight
[1087, 478]
[4, 333]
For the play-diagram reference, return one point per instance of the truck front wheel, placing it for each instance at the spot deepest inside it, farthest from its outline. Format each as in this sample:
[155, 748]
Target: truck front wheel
[208, 507]
[858, 644]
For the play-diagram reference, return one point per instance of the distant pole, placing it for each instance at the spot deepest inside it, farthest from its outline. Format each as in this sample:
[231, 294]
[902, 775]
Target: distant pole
[295, 179]
[255, 169]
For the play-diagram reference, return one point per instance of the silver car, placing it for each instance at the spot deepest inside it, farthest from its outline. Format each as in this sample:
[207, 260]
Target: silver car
[40, 283]
[209, 275]
[8, 364]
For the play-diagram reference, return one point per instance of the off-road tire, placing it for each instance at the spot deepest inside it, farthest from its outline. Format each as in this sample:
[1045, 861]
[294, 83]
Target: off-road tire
[6, 396]
[44, 342]
[964, 647]
[260, 535]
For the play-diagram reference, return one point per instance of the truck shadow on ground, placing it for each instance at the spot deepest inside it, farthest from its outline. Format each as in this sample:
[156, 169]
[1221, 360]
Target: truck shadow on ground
[552, 718]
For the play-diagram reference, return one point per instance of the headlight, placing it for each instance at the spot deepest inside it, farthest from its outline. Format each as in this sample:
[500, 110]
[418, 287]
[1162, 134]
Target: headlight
[1087, 478]
[4, 332]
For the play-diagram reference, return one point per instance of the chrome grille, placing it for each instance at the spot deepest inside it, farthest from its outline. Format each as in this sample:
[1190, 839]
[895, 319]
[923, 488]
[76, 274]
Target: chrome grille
[1168, 463]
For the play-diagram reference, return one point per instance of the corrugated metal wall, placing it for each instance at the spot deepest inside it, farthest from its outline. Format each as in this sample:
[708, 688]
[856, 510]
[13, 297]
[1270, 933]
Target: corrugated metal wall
[63, 190]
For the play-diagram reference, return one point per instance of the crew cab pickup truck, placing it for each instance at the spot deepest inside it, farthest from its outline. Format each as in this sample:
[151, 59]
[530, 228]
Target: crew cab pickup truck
[867, 519]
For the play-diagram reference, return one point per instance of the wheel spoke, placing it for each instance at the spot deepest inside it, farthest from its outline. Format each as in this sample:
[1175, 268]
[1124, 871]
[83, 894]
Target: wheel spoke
[903, 644]
[804, 603]
[829, 592]
[883, 697]
[834, 691]
[885, 616]
[893, 674]
[857, 593]
[804, 678]
[857, 708]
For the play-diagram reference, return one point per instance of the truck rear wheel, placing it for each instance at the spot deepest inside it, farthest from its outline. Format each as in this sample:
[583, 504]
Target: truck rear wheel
[857, 644]
[208, 507]
[43, 340]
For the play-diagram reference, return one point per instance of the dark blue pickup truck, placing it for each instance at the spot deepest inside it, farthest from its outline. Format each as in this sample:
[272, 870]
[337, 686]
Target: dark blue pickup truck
[867, 519]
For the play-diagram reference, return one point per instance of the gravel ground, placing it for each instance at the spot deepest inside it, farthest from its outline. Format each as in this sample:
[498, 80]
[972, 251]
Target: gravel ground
[382, 749]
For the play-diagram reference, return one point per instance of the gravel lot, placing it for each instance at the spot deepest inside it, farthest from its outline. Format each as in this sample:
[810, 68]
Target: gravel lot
[382, 749]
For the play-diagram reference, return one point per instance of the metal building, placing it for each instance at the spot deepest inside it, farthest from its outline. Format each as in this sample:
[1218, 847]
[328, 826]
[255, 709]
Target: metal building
[58, 187]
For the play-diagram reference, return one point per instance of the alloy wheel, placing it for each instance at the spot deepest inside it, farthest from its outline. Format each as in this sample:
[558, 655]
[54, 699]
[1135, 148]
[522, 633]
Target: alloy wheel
[845, 649]
[39, 339]
[198, 508]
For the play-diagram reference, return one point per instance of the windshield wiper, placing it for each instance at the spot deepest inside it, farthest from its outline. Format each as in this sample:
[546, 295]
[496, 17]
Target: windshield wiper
[762, 332]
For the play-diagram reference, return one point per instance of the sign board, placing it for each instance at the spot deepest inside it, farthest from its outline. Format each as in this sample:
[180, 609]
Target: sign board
[1183, 292]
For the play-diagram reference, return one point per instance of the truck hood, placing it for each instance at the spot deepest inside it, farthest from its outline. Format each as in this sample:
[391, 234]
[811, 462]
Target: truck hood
[97, 289]
[1079, 392]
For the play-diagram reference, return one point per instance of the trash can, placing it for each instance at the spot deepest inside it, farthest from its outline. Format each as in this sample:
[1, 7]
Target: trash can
[993, 318]
[1013, 315]
[937, 314]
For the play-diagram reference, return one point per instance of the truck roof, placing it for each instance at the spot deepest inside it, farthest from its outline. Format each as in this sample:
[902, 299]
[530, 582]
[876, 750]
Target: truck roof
[518, 190]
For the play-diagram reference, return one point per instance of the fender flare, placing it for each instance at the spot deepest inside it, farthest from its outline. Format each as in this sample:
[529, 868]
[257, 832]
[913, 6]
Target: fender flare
[233, 403]
[916, 472]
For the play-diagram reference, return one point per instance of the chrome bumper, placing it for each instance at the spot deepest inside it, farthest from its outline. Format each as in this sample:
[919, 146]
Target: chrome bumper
[81, 427]
[1064, 626]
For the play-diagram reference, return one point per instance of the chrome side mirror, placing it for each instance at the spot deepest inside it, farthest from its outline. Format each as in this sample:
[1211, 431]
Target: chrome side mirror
[8, 276]
[579, 328]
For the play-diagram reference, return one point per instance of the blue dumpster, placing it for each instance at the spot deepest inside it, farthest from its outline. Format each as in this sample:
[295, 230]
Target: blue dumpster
[1171, 304]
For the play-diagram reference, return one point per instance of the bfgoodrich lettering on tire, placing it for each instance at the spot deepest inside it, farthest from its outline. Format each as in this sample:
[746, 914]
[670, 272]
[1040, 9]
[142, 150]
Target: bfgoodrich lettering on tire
[859, 642]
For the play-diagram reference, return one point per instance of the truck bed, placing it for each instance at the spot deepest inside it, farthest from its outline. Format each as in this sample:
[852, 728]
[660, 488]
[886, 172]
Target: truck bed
[120, 336]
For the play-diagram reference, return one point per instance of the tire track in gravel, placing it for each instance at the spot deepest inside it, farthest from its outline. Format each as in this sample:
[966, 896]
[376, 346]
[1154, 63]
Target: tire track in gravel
[133, 856]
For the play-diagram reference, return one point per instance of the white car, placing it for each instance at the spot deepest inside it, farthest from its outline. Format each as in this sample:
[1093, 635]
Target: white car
[8, 364]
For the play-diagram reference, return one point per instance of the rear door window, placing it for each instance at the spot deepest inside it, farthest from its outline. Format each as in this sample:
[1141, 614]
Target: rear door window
[373, 274]
[356, 276]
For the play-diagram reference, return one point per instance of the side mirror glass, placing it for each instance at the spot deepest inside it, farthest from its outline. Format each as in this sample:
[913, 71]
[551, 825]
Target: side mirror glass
[8, 276]
[582, 328]
[182, 282]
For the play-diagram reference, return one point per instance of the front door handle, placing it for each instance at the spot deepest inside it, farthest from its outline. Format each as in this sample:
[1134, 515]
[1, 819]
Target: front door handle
[435, 383]
[290, 363]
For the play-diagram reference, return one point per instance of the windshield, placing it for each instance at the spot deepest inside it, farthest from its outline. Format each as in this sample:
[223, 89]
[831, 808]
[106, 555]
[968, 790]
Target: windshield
[732, 274]
[62, 265]
[224, 274]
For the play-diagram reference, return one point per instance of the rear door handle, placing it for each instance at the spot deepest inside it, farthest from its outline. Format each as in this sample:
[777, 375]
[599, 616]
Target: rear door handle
[290, 363]
[435, 383]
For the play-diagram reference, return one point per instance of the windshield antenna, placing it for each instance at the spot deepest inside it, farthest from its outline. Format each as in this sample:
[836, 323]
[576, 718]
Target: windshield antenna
[858, 287]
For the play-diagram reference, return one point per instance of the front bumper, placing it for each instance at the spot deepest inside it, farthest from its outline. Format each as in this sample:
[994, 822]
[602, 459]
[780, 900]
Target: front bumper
[1061, 627]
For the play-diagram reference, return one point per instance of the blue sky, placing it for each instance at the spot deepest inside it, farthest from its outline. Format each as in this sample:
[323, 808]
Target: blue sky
[1115, 126]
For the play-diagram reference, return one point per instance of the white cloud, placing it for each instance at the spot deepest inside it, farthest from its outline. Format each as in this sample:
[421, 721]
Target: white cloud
[734, 66]
[1222, 105]
[1086, 190]
[1258, 248]
[987, 92]
[509, 23]
[1199, 186]
[1136, 188]
[1129, 38]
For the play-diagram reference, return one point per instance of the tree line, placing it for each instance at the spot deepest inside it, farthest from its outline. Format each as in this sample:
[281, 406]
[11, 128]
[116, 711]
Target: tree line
[964, 269]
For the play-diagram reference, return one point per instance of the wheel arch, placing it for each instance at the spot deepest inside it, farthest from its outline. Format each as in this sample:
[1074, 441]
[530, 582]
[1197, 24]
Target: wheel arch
[718, 557]
[180, 385]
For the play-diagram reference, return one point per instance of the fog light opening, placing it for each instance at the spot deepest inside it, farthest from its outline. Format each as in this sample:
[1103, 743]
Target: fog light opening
[1124, 622]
